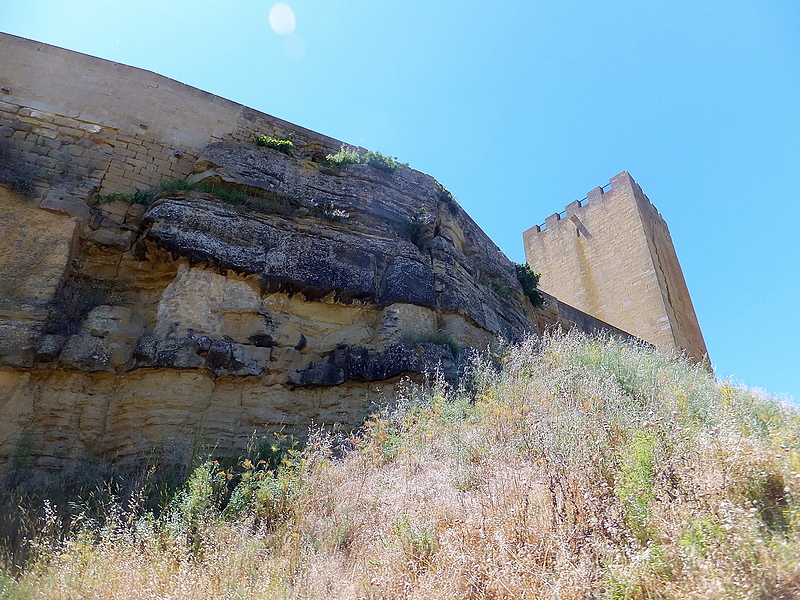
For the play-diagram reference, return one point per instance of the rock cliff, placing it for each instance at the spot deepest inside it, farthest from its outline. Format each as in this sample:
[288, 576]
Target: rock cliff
[195, 321]
[242, 290]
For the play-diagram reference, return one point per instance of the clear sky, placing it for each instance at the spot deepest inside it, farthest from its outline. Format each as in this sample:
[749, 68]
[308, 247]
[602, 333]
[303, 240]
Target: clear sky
[521, 107]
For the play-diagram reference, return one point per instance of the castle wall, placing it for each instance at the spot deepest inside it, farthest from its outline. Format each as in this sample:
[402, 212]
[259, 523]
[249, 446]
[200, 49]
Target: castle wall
[611, 256]
[116, 127]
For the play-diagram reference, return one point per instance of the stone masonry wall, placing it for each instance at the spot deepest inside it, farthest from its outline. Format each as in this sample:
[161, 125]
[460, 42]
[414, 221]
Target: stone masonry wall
[116, 127]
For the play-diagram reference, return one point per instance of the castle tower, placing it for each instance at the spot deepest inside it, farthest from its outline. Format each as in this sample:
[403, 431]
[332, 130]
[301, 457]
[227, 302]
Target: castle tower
[611, 256]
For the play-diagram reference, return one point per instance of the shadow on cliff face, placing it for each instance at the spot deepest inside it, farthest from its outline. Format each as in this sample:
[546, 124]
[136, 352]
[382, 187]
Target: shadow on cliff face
[15, 172]
[79, 294]
[40, 508]
[310, 303]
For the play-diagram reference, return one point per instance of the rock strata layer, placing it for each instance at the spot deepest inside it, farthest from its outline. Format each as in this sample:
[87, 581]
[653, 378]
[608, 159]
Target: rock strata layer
[195, 322]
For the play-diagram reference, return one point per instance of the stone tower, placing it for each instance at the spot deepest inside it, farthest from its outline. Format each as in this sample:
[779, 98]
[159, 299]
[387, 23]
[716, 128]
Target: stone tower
[611, 255]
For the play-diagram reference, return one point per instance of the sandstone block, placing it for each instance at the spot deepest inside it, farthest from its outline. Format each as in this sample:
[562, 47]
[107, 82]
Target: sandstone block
[218, 355]
[18, 342]
[113, 236]
[36, 115]
[16, 409]
[70, 132]
[401, 322]
[145, 351]
[249, 360]
[63, 202]
[407, 281]
[9, 108]
[287, 359]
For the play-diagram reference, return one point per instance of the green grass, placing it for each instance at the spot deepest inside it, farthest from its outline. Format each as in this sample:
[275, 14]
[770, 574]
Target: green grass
[247, 198]
[259, 200]
[384, 163]
[501, 289]
[446, 196]
[345, 156]
[229, 195]
[415, 229]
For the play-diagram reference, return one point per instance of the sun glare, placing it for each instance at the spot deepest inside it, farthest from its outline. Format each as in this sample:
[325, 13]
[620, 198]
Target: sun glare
[282, 20]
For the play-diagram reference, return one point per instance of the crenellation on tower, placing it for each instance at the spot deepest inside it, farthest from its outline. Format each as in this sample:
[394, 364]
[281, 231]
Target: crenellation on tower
[611, 256]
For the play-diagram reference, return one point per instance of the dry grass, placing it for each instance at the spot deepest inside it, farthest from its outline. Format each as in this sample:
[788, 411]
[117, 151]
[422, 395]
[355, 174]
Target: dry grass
[580, 469]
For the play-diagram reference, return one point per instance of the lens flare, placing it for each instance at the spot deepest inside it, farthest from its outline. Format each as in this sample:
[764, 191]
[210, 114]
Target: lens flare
[282, 20]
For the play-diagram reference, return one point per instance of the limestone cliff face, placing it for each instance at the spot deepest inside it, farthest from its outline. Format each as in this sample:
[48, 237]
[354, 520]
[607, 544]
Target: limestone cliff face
[195, 323]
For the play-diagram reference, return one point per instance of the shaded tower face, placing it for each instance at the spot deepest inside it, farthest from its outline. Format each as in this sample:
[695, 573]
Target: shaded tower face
[611, 256]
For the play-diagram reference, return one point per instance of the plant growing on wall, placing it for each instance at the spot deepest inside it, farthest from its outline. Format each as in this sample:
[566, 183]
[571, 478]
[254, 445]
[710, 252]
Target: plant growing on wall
[264, 201]
[350, 156]
[226, 194]
[384, 163]
[414, 229]
[529, 282]
[284, 145]
[501, 289]
[77, 297]
[446, 196]
[14, 171]
[345, 156]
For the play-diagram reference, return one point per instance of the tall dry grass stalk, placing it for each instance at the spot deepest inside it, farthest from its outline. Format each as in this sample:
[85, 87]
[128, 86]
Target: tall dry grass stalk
[569, 468]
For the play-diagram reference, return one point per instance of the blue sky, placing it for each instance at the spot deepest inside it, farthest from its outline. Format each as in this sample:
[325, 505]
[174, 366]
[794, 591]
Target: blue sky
[521, 107]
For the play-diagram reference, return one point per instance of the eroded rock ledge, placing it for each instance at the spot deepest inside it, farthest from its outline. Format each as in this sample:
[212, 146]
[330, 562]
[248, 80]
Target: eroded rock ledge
[193, 321]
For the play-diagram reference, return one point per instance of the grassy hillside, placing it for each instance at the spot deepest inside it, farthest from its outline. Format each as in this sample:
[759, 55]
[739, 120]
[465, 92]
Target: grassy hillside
[578, 469]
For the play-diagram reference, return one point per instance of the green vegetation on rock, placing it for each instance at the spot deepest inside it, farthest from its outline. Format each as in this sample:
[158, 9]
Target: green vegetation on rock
[446, 196]
[501, 289]
[384, 163]
[350, 156]
[529, 282]
[226, 194]
[345, 156]
[415, 229]
[284, 145]
[259, 200]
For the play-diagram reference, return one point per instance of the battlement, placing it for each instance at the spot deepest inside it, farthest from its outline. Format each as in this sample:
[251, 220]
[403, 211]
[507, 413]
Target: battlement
[570, 208]
[623, 181]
